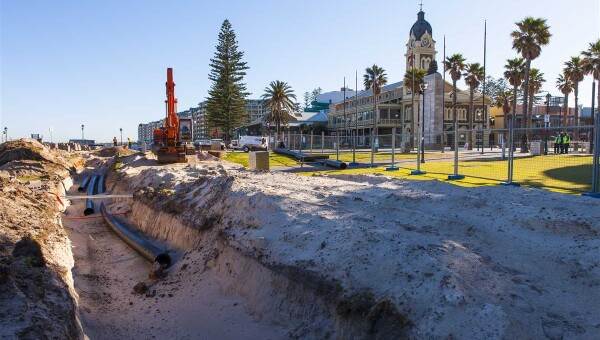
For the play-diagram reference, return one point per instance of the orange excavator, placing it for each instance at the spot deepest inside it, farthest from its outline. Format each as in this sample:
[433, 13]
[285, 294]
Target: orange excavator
[170, 148]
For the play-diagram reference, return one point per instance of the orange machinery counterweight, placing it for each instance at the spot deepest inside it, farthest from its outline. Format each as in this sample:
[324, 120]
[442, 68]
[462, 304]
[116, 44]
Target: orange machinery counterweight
[170, 149]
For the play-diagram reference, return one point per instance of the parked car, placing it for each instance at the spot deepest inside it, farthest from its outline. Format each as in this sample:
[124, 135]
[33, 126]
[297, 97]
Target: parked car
[202, 142]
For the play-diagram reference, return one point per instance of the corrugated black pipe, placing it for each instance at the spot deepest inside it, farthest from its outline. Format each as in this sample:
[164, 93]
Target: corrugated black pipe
[84, 184]
[101, 184]
[149, 251]
[91, 190]
[335, 164]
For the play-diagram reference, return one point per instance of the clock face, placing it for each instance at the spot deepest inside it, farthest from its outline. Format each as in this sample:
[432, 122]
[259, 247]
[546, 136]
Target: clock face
[425, 42]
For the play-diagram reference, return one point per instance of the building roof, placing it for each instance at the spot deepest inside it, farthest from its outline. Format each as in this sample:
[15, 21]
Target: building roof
[421, 26]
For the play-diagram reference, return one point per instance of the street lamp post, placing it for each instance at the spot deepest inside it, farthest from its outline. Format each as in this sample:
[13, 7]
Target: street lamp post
[51, 129]
[423, 86]
[82, 135]
[121, 130]
[5, 134]
[548, 97]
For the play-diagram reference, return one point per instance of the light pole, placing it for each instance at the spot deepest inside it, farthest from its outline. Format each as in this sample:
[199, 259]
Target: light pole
[50, 129]
[5, 134]
[423, 86]
[82, 138]
[121, 130]
[548, 97]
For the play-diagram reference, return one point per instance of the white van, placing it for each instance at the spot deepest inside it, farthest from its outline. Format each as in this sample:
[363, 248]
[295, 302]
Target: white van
[248, 143]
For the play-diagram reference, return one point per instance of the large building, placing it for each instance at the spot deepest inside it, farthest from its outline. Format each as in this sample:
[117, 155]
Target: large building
[353, 115]
[254, 109]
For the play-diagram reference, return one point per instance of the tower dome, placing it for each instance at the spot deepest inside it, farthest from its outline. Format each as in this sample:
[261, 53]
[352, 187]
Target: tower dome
[421, 26]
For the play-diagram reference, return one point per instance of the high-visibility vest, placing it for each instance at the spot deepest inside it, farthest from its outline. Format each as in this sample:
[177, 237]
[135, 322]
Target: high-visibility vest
[557, 140]
[566, 139]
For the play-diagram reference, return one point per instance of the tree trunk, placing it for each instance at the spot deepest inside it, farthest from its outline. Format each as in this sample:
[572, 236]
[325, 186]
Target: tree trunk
[471, 114]
[564, 123]
[576, 134]
[455, 119]
[524, 147]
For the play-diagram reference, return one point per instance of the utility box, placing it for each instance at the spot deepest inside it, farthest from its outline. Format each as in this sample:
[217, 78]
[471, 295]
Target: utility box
[259, 161]
[536, 148]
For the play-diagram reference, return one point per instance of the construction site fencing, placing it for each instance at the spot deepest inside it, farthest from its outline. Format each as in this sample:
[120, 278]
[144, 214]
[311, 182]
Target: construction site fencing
[536, 156]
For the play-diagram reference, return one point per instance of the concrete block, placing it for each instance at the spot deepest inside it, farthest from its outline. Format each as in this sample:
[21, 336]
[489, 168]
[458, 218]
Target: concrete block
[259, 161]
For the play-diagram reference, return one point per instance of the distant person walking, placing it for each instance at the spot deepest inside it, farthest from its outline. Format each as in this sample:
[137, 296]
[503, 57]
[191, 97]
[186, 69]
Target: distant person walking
[129, 142]
[557, 144]
[115, 141]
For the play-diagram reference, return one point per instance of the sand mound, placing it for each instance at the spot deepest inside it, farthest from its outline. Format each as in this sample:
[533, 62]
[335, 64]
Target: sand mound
[29, 150]
[115, 151]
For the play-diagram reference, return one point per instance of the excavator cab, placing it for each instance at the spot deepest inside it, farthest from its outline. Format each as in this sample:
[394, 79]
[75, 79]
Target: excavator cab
[170, 148]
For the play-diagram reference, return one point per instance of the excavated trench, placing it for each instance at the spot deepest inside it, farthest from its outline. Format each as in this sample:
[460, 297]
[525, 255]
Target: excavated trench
[215, 288]
[296, 302]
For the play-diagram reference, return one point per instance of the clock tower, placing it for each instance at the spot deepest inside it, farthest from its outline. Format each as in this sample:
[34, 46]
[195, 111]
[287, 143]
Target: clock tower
[420, 48]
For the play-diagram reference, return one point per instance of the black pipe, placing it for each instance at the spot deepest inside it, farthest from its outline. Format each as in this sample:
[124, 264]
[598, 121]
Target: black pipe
[100, 184]
[84, 184]
[91, 190]
[300, 156]
[335, 164]
[149, 251]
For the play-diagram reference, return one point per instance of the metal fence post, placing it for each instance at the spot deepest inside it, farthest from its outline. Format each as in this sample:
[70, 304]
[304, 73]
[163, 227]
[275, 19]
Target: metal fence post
[455, 176]
[337, 146]
[300, 146]
[393, 167]
[311, 142]
[419, 144]
[322, 141]
[596, 166]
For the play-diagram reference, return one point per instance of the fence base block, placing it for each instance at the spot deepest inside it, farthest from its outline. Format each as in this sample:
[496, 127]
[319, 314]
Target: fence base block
[353, 164]
[455, 177]
[392, 168]
[372, 166]
[591, 194]
[512, 184]
[418, 172]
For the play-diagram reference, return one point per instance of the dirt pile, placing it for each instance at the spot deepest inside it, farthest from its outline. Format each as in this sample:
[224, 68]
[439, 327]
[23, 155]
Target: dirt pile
[363, 256]
[35, 252]
[115, 151]
[35, 266]
[31, 162]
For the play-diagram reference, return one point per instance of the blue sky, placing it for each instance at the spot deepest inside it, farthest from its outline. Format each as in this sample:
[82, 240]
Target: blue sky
[103, 63]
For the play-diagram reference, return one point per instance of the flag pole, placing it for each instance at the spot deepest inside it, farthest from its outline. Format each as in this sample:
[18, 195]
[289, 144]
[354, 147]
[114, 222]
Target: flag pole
[483, 96]
[444, 96]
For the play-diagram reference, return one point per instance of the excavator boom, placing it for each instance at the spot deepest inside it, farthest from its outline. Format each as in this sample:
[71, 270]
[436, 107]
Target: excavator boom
[171, 149]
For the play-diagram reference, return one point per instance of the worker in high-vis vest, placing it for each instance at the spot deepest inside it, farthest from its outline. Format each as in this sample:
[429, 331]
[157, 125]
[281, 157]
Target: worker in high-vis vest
[557, 143]
[565, 142]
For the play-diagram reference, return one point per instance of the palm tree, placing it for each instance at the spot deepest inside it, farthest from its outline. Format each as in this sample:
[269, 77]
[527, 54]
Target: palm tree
[591, 65]
[278, 96]
[473, 77]
[503, 100]
[565, 85]
[574, 70]
[514, 73]
[374, 79]
[411, 82]
[455, 65]
[536, 80]
[528, 40]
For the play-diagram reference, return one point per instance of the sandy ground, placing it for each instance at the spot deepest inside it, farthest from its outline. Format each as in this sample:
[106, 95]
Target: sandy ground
[187, 304]
[491, 262]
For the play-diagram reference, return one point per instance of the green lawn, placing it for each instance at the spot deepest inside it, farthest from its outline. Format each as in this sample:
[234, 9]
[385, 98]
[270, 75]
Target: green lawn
[243, 158]
[561, 173]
